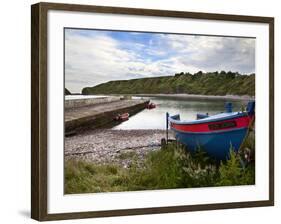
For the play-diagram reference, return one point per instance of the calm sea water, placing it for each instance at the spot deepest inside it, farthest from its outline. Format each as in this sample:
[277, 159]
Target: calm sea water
[187, 108]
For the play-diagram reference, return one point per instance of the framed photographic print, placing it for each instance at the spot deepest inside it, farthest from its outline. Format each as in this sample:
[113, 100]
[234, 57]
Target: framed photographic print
[140, 111]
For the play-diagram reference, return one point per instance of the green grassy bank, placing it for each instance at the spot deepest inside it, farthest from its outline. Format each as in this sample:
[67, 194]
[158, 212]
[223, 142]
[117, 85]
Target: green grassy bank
[66, 92]
[170, 167]
[212, 83]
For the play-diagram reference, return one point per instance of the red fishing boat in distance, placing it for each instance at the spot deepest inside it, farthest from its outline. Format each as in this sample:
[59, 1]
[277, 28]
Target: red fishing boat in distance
[151, 106]
[122, 117]
[214, 134]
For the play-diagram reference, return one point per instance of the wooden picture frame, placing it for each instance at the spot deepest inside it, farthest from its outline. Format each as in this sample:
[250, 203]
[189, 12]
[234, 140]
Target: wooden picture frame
[39, 108]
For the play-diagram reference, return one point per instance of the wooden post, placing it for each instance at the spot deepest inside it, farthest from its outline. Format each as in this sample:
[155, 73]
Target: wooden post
[167, 126]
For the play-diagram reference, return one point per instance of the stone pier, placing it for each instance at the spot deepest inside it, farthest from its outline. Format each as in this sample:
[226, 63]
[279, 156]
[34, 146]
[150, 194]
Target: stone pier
[98, 112]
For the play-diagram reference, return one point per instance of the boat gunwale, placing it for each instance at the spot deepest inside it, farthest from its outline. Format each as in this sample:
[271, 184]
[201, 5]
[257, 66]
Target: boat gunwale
[207, 120]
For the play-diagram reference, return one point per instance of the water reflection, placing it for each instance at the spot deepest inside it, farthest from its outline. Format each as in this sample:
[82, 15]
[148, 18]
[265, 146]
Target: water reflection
[187, 108]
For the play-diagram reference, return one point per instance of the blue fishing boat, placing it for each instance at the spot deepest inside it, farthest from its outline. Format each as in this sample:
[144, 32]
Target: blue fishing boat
[214, 134]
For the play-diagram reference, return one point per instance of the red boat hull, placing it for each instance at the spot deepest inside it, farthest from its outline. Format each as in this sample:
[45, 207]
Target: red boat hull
[150, 106]
[122, 117]
[241, 122]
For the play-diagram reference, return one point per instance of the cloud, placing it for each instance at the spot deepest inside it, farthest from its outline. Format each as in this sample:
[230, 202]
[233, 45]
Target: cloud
[93, 57]
[215, 53]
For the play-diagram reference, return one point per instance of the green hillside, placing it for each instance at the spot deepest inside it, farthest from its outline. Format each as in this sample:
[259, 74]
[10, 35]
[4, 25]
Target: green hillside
[215, 83]
[66, 92]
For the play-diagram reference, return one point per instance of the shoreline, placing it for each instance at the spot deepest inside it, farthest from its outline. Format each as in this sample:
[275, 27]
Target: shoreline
[172, 95]
[197, 96]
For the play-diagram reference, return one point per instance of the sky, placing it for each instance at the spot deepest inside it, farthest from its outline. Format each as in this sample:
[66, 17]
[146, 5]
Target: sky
[96, 56]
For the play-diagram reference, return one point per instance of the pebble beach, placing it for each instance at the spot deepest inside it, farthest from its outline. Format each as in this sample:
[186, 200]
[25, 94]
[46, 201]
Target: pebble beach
[105, 146]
